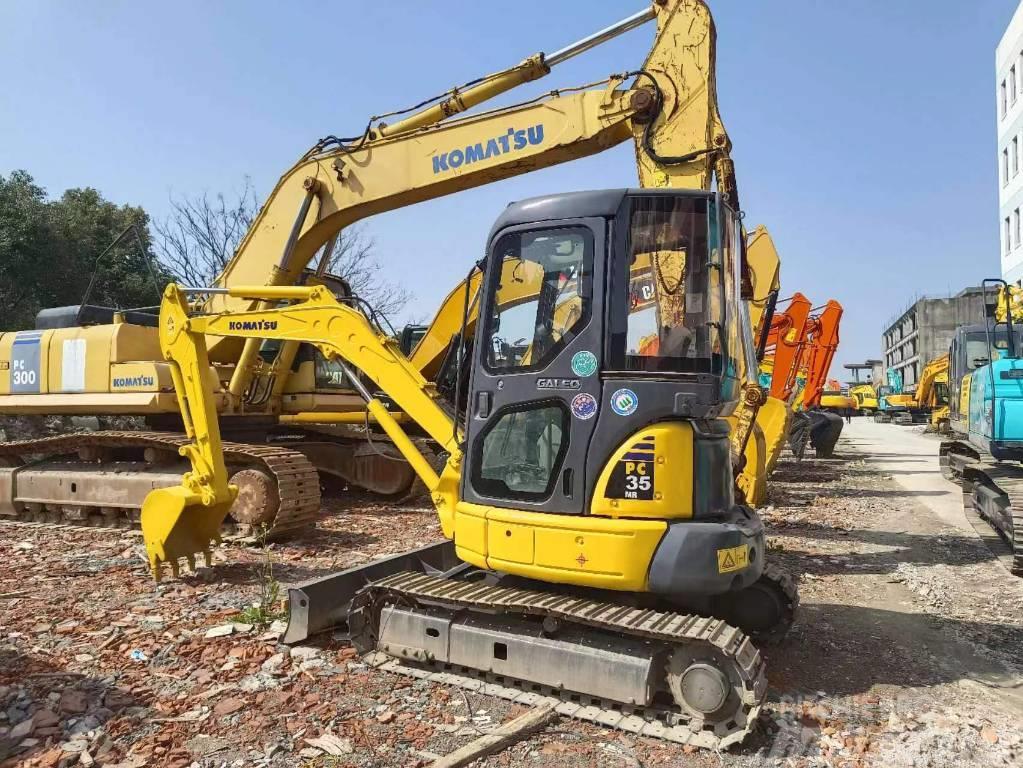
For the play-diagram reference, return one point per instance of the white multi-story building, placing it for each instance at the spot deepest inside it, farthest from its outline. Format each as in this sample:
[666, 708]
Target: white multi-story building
[1009, 103]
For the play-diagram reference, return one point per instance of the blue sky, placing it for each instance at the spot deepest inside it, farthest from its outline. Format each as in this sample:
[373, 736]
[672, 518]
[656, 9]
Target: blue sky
[864, 131]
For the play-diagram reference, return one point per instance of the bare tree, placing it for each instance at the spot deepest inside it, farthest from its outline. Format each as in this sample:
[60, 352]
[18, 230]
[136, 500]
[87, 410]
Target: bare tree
[202, 232]
[353, 259]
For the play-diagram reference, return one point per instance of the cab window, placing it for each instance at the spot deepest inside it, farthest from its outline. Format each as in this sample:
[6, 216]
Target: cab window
[542, 302]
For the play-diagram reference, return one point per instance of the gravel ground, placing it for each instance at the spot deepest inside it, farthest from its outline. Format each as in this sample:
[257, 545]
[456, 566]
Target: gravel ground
[905, 652]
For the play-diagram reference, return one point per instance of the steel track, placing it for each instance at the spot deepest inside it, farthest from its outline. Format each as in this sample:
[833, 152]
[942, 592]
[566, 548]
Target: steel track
[701, 636]
[295, 478]
[1004, 540]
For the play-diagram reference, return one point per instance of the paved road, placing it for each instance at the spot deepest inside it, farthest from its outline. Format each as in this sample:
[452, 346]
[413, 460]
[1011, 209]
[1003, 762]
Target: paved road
[911, 458]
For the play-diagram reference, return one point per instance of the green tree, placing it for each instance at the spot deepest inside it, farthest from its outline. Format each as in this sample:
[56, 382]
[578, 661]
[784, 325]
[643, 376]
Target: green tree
[48, 252]
[24, 236]
[82, 226]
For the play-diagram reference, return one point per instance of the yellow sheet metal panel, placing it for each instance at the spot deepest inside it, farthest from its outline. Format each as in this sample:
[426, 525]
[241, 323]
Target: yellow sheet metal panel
[584, 550]
[140, 377]
[471, 534]
[511, 542]
[566, 549]
[6, 345]
[78, 359]
[130, 342]
[650, 475]
[91, 403]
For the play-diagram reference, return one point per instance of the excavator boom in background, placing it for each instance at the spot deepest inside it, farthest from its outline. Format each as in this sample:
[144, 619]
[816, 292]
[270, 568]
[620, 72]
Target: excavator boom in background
[593, 546]
[812, 425]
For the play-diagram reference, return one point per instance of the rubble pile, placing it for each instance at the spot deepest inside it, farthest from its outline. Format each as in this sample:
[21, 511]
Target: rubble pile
[101, 666]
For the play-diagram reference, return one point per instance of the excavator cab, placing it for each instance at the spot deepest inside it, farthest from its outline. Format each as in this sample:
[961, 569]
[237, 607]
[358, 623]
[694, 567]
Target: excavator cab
[600, 349]
[600, 395]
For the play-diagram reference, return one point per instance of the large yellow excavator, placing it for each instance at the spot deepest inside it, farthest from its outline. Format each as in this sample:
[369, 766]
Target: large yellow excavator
[594, 550]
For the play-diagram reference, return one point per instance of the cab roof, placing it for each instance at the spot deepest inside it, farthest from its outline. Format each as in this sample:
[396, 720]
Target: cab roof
[575, 205]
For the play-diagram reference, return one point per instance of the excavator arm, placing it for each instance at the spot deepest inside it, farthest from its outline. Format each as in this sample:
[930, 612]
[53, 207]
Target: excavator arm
[669, 110]
[927, 394]
[787, 339]
[186, 519]
[823, 341]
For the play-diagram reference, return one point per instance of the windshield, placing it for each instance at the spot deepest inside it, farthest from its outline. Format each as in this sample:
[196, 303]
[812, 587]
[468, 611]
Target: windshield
[536, 306]
[677, 288]
[977, 352]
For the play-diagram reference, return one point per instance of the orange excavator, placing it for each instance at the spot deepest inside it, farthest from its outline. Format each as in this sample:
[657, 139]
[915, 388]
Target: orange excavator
[812, 425]
[784, 349]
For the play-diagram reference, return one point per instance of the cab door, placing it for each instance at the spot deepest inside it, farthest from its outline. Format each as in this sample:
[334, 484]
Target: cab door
[535, 387]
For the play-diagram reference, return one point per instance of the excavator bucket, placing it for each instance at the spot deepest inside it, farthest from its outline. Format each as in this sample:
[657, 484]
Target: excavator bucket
[176, 524]
[817, 428]
[773, 420]
[825, 429]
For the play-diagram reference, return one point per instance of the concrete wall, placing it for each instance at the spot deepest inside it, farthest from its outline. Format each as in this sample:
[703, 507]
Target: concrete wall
[925, 330]
[1009, 114]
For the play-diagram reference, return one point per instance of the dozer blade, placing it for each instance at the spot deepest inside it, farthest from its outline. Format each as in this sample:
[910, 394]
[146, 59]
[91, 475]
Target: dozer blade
[176, 524]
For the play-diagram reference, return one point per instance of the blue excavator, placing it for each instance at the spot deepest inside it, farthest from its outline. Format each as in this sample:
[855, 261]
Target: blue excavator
[986, 420]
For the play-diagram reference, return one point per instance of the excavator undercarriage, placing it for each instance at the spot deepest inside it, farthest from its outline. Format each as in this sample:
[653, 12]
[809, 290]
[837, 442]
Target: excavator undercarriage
[102, 479]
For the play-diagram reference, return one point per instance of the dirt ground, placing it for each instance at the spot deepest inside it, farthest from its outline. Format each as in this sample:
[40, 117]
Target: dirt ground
[906, 651]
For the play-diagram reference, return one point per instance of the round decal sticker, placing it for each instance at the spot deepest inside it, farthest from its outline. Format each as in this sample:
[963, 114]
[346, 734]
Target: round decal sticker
[624, 402]
[584, 363]
[584, 406]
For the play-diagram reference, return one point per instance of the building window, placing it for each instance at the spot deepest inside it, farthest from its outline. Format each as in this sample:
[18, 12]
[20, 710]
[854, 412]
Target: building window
[1015, 227]
[1004, 101]
[1012, 83]
[1005, 166]
[1007, 245]
[1015, 155]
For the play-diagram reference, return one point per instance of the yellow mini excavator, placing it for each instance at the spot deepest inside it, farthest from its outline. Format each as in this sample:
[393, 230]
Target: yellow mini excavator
[594, 553]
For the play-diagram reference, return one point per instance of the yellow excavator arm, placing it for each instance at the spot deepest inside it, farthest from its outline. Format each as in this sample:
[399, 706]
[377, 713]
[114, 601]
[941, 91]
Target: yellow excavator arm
[181, 520]
[929, 392]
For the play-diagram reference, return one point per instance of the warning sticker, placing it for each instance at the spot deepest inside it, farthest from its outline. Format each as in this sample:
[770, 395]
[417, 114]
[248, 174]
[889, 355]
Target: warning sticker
[733, 558]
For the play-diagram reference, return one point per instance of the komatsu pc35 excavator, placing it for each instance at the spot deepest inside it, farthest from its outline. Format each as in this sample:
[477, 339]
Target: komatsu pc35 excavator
[594, 550]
